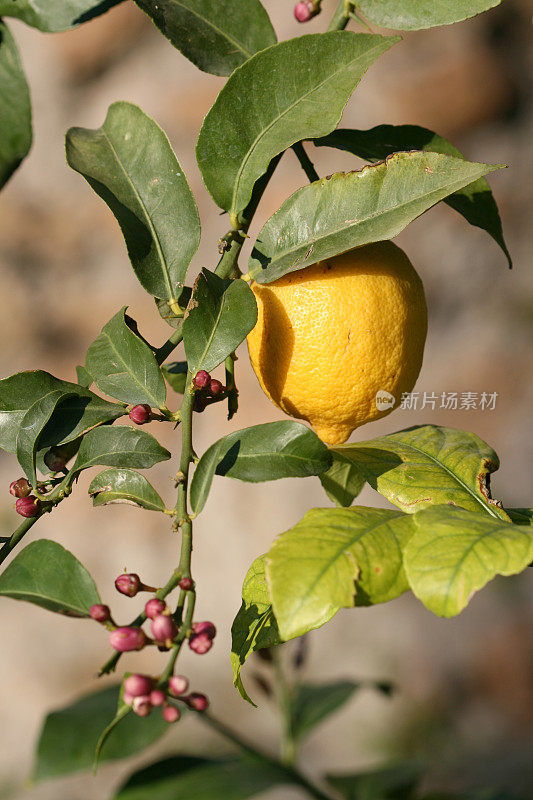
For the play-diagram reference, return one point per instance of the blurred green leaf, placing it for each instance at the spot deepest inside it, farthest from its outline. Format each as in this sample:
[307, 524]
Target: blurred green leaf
[314, 703]
[453, 553]
[475, 202]
[418, 14]
[343, 481]
[68, 739]
[394, 782]
[124, 486]
[262, 453]
[15, 107]
[215, 36]
[122, 446]
[130, 164]
[31, 427]
[175, 373]
[347, 210]
[123, 366]
[52, 16]
[315, 76]
[429, 465]
[254, 626]
[46, 574]
[335, 558]
[221, 314]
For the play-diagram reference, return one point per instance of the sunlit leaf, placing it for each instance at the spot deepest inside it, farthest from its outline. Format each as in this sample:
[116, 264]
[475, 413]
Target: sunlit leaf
[124, 486]
[418, 14]
[121, 446]
[55, 15]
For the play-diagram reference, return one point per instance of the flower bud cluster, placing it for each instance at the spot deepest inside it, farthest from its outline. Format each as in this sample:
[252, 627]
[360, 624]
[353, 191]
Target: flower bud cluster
[207, 390]
[143, 693]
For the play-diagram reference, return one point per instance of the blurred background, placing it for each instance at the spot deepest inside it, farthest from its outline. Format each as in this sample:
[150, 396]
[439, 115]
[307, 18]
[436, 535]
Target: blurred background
[464, 698]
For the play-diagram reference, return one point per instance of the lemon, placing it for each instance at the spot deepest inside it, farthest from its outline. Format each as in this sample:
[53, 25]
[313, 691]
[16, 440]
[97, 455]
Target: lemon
[338, 343]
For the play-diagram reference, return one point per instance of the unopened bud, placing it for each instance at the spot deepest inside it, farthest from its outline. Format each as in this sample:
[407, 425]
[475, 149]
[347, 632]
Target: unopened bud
[205, 627]
[157, 697]
[177, 685]
[163, 628]
[171, 714]
[215, 388]
[306, 10]
[55, 459]
[138, 685]
[141, 706]
[200, 643]
[197, 701]
[100, 613]
[201, 380]
[154, 607]
[141, 414]
[128, 584]
[28, 506]
[20, 488]
[125, 639]
[128, 698]
[186, 584]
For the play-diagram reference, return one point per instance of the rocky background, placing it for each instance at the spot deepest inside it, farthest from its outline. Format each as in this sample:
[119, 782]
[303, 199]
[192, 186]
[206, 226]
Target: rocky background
[464, 696]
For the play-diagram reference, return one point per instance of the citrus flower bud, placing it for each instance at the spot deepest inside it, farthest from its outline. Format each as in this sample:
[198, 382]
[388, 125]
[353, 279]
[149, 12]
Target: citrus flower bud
[197, 701]
[201, 380]
[55, 459]
[20, 488]
[141, 414]
[177, 685]
[157, 697]
[128, 698]
[141, 706]
[28, 506]
[186, 584]
[171, 714]
[205, 627]
[306, 10]
[154, 607]
[163, 628]
[125, 639]
[215, 388]
[138, 685]
[200, 643]
[100, 613]
[128, 584]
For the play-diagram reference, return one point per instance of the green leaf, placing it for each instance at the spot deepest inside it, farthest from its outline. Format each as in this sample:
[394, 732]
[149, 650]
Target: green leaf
[174, 316]
[255, 117]
[130, 164]
[74, 417]
[31, 428]
[84, 379]
[335, 558]
[347, 210]
[475, 202]
[124, 486]
[418, 14]
[313, 703]
[394, 782]
[68, 739]
[190, 778]
[342, 482]
[521, 516]
[46, 574]
[55, 15]
[15, 107]
[123, 366]
[122, 446]
[429, 465]
[453, 553]
[215, 36]
[254, 626]
[176, 375]
[262, 453]
[221, 314]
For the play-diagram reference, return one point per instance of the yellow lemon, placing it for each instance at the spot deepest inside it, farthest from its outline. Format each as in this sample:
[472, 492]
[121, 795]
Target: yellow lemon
[338, 343]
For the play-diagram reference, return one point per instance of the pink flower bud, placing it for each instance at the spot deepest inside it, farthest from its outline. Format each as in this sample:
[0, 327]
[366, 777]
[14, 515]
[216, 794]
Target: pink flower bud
[177, 685]
[20, 488]
[55, 459]
[205, 627]
[125, 639]
[215, 388]
[157, 697]
[141, 706]
[186, 584]
[163, 628]
[128, 698]
[154, 607]
[100, 613]
[197, 701]
[128, 584]
[200, 643]
[138, 685]
[141, 414]
[28, 506]
[201, 379]
[171, 714]
[305, 10]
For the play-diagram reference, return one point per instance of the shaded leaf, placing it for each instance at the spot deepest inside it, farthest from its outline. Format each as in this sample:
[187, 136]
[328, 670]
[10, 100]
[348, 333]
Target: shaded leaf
[418, 14]
[174, 316]
[215, 36]
[124, 486]
[59, 752]
[351, 209]
[394, 782]
[428, 465]
[254, 626]
[521, 516]
[176, 375]
[46, 574]
[342, 482]
[221, 314]
[453, 553]
[315, 76]
[55, 15]
[130, 164]
[31, 427]
[475, 202]
[313, 703]
[335, 558]
[84, 379]
[262, 453]
[15, 107]
[122, 446]
[123, 366]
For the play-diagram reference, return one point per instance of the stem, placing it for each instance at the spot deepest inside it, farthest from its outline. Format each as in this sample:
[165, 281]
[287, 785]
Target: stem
[341, 17]
[15, 538]
[283, 694]
[166, 349]
[305, 162]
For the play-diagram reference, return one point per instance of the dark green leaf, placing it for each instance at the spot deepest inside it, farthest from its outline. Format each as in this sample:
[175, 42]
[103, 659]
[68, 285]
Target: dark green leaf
[190, 778]
[69, 735]
[335, 558]
[262, 453]
[313, 703]
[15, 107]
[475, 201]
[342, 482]
[351, 209]
[221, 314]
[31, 427]
[84, 379]
[453, 553]
[521, 516]
[255, 117]
[254, 627]
[119, 447]
[395, 782]
[174, 316]
[124, 486]
[428, 465]
[418, 14]
[74, 416]
[46, 574]
[216, 36]
[55, 15]
[129, 162]
[176, 375]
[123, 366]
